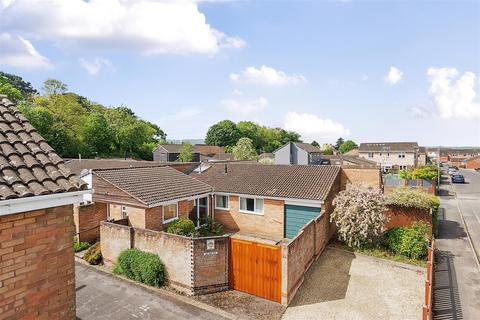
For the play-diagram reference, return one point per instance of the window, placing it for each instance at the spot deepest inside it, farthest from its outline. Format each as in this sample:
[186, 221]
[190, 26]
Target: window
[124, 212]
[370, 154]
[403, 167]
[221, 202]
[170, 212]
[401, 155]
[251, 205]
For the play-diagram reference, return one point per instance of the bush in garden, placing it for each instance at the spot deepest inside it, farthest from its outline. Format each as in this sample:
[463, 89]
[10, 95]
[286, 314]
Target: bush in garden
[80, 246]
[183, 227]
[425, 173]
[211, 228]
[411, 242]
[141, 266]
[410, 198]
[359, 215]
[93, 254]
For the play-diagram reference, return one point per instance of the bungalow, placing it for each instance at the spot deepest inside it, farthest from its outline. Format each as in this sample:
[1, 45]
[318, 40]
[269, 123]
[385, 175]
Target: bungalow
[271, 201]
[298, 153]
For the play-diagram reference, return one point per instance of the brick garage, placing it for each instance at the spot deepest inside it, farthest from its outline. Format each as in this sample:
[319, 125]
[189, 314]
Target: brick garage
[37, 277]
[87, 218]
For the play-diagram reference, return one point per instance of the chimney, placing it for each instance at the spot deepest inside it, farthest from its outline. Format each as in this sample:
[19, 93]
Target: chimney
[79, 157]
[225, 168]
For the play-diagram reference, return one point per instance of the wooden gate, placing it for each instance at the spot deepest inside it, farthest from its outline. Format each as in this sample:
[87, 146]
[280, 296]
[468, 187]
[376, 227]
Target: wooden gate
[256, 268]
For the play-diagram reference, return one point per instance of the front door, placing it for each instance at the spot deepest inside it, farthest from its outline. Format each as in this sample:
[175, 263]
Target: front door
[199, 213]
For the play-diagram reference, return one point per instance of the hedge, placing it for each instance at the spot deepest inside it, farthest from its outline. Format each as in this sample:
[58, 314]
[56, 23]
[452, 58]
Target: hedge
[183, 227]
[410, 241]
[141, 266]
[407, 197]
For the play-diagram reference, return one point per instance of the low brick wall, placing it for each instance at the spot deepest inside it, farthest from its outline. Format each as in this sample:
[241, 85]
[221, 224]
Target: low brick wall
[190, 266]
[87, 220]
[299, 254]
[405, 217]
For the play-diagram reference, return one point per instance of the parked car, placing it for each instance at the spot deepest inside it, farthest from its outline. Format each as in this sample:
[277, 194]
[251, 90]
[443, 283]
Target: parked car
[452, 171]
[458, 178]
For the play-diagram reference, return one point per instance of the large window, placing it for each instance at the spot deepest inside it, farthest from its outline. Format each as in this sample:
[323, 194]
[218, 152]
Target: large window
[251, 205]
[170, 213]
[221, 202]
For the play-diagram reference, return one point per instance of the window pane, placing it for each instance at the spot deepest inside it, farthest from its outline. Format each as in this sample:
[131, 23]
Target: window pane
[259, 205]
[221, 201]
[250, 204]
[243, 204]
[169, 212]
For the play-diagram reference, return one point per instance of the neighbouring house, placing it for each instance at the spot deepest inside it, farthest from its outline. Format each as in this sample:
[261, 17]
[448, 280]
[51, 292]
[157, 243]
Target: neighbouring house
[201, 152]
[422, 157]
[391, 155]
[37, 194]
[445, 154]
[298, 153]
[352, 153]
[344, 160]
[273, 201]
[472, 162]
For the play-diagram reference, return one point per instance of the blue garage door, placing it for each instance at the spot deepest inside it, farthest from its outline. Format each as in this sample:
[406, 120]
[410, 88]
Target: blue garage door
[296, 217]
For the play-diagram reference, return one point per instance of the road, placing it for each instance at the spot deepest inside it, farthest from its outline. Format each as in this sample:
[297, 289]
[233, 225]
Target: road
[102, 296]
[457, 274]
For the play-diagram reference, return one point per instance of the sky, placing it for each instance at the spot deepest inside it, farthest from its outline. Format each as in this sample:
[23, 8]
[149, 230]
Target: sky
[369, 71]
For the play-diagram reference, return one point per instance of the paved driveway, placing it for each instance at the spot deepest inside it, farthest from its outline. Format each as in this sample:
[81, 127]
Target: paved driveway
[101, 296]
[343, 285]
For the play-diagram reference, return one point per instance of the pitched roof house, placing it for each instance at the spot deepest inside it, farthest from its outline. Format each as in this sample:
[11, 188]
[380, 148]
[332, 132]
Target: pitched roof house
[37, 192]
[298, 153]
[202, 152]
[391, 155]
[273, 201]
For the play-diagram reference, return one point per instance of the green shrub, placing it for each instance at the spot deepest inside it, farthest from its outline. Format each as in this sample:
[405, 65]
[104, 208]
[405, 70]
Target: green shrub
[183, 227]
[141, 266]
[93, 254]
[80, 246]
[411, 242]
[410, 198]
[210, 228]
[425, 173]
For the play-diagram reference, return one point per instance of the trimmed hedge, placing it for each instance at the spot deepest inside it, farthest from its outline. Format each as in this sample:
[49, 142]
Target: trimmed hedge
[141, 266]
[93, 254]
[411, 242]
[407, 197]
[183, 227]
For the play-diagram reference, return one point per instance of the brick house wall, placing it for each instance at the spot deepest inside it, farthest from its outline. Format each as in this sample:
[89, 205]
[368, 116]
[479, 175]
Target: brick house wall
[367, 176]
[473, 163]
[37, 272]
[270, 224]
[87, 220]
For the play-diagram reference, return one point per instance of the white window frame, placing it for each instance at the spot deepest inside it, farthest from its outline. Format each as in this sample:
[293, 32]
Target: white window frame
[163, 212]
[371, 154]
[228, 201]
[123, 210]
[401, 155]
[254, 205]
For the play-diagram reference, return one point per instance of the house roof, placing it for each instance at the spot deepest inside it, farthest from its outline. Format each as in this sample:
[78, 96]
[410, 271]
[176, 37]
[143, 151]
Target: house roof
[155, 184]
[308, 147]
[77, 166]
[472, 158]
[353, 153]
[28, 165]
[282, 181]
[172, 148]
[342, 159]
[204, 149]
[388, 146]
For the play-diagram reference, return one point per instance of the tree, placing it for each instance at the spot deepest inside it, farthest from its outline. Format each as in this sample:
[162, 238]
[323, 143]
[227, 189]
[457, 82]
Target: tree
[186, 152]
[7, 89]
[347, 146]
[327, 149]
[25, 88]
[244, 150]
[359, 215]
[339, 142]
[97, 134]
[250, 130]
[315, 143]
[223, 133]
[53, 86]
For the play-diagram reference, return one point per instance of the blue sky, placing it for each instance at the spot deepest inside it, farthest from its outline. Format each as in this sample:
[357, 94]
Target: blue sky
[369, 71]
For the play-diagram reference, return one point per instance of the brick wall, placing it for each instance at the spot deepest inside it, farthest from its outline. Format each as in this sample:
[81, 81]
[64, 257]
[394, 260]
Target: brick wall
[405, 217]
[37, 272]
[269, 225]
[472, 164]
[87, 220]
[366, 176]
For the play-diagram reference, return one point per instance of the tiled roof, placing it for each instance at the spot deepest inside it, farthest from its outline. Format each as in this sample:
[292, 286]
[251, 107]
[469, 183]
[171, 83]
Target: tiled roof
[388, 146]
[204, 149]
[28, 165]
[283, 181]
[154, 185]
[77, 166]
[307, 147]
[472, 158]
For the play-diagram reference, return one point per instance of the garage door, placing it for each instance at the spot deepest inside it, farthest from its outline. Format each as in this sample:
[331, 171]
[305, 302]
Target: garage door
[256, 268]
[296, 217]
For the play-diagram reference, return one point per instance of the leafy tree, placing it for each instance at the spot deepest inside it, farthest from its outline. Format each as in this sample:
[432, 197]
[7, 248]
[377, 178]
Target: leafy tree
[315, 143]
[53, 86]
[10, 91]
[186, 153]
[244, 150]
[347, 146]
[339, 142]
[25, 88]
[327, 149]
[97, 134]
[250, 130]
[359, 215]
[223, 133]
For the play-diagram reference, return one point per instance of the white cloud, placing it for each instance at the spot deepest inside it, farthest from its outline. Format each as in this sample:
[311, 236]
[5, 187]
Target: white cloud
[244, 107]
[311, 127]
[453, 94]
[18, 52]
[266, 76]
[394, 75]
[144, 26]
[420, 112]
[95, 65]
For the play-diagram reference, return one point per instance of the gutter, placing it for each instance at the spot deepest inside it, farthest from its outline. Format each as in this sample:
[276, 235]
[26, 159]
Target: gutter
[13, 206]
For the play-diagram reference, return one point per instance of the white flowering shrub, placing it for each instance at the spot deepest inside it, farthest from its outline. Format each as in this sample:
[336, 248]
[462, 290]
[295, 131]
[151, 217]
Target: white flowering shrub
[359, 215]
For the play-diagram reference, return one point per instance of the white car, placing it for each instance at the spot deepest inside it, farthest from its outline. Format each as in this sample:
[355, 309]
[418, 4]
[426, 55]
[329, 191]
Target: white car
[452, 171]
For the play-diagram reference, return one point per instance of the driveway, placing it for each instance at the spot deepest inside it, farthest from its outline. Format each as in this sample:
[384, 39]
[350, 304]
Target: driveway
[345, 285]
[456, 293]
[101, 296]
